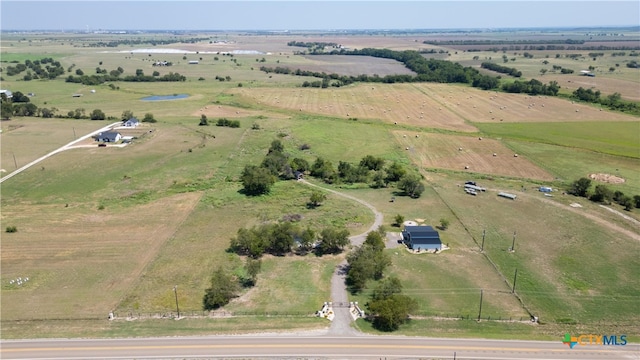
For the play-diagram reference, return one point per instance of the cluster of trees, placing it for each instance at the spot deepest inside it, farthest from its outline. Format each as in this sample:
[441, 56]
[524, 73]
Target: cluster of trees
[313, 47]
[225, 286]
[613, 101]
[370, 170]
[532, 87]
[603, 194]
[228, 123]
[102, 76]
[388, 307]
[20, 105]
[501, 69]
[257, 180]
[367, 262]
[45, 68]
[285, 237]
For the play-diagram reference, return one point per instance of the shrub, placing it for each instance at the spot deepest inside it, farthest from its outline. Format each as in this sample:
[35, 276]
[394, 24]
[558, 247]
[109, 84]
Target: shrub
[12, 229]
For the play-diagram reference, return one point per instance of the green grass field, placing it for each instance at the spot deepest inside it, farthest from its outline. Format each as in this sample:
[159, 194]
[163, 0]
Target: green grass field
[620, 138]
[102, 229]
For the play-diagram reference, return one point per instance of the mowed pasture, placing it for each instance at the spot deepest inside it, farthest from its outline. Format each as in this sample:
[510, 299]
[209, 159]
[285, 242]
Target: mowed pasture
[466, 153]
[400, 104]
[81, 261]
[475, 105]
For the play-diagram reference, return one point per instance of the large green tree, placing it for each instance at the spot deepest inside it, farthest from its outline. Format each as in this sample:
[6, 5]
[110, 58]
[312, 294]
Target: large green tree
[388, 307]
[580, 187]
[223, 289]
[333, 240]
[257, 180]
[411, 185]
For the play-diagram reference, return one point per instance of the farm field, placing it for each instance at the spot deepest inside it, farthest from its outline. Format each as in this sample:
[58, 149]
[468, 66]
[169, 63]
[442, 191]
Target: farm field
[115, 229]
[611, 138]
[466, 153]
[402, 104]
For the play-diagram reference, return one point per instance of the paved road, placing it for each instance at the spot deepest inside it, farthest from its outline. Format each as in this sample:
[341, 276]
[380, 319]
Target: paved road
[63, 148]
[325, 347]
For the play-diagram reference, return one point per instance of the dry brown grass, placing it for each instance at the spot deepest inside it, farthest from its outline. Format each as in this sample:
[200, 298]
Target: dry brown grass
[484, 106]
[397, 103]
[457, 152]
[89, 262]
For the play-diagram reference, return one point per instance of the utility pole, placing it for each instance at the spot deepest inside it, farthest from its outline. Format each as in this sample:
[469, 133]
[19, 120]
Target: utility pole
[175, 290]
[480, 311]
[14, 160]
[482, 246]
[515, 277]
[513, 243]
[74, 134]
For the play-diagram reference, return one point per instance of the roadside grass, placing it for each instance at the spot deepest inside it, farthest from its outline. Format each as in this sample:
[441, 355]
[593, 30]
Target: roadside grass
[613, 138]
[289, 285]
[102, 328]
[503, 330]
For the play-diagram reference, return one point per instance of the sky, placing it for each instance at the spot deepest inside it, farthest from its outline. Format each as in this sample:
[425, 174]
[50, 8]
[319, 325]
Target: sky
[97, 15]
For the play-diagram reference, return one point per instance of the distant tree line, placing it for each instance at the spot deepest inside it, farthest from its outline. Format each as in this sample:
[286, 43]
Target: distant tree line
[501, 42]
[313, 47]
[532, 87]
[613, 101]
[427, 70]
[114, 75]
[501, 69]
[602, 194]
[154, 42]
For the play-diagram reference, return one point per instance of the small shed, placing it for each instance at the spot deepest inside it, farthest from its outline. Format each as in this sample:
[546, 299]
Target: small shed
[421, 238]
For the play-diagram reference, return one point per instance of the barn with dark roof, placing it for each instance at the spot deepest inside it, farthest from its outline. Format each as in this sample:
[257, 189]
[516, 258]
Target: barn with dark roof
[421, 238]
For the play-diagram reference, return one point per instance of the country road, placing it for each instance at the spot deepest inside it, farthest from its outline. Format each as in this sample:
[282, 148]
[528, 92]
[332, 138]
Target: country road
[341, 324]
[308, 347]
[62, 148]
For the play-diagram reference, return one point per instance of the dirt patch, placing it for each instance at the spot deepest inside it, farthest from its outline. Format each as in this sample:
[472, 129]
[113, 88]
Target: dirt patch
[608, 178]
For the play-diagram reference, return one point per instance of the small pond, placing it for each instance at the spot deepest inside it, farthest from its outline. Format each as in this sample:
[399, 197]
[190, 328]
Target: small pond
[165, 97]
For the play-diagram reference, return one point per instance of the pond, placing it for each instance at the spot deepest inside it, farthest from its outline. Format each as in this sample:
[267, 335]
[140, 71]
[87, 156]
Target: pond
[165, 97]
